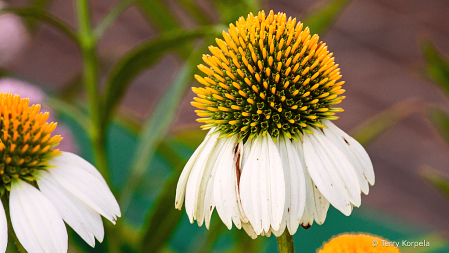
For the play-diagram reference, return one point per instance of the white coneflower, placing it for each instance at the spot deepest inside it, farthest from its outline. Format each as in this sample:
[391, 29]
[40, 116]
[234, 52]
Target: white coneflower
[272, 160]
[69, 188]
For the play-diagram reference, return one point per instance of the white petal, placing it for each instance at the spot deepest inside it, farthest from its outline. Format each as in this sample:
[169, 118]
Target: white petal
[262, 188]
[3, 229]
[249, 230]
[321, 206]
[276, 183]
[225, 188]
[322, 170]
[182, 182]
[342, 165]
[36, 222]
[249, 187]
[83, 219]
[354, 151]
[77, 161]
[246, 151]
[87, 188]
[196, 177]
[205, 192]
[295, 197]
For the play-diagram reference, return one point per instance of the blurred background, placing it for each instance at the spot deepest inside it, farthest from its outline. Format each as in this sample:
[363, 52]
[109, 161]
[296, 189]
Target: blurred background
[385, 50]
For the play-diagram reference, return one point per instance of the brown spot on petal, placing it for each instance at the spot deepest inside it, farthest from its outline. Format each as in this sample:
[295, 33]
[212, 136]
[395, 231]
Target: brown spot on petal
[346, 141]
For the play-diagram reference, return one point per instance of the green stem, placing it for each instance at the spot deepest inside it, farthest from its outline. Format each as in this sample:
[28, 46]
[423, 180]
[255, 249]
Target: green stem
[19, 246]
[88, 53]
[285, 243]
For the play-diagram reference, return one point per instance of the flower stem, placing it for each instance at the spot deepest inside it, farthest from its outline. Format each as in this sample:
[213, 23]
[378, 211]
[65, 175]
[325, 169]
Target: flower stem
[90, 78]
[19, 246]
[285, 243]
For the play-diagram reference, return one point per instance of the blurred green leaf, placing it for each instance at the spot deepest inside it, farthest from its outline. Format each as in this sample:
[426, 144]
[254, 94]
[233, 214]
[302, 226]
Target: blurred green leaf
[141, 58]
[42, 15]
[370, 129]
[440, 120]
[435, 179]
[40, 4]
[195, 11]
[163, 218]
[437, 66]
[321, 19]
[437, 242]
[159, 14]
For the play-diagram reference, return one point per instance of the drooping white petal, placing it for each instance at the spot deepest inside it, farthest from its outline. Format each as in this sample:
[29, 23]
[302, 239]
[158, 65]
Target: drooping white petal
[87, 188]
[249, 187]
[225, 185]
[205, 203]
[83, 219]
[196, 176]
[36, 222]
[277, 184]
[322, 170]
[182, 182]
[354, 151]
[262, 188]
[321, 205]
[3, 229]
[295, 198]
[309, 209]
[249, 230]
[342, 166]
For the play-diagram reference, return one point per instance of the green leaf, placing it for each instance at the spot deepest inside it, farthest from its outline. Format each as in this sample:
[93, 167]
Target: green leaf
[40, 4]
[437, 66]
[440, 120]
[436, 180]
[42, 15]
[159, 14]
[321, 19]
[163, 218]
[372, 128]
[141, 58]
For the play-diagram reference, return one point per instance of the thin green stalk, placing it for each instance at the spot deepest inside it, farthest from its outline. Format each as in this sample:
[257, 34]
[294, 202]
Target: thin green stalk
[19, 246]
[285, 243]
[89, 60]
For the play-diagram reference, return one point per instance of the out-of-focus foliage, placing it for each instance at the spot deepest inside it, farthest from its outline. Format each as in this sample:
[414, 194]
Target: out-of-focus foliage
[437, 70]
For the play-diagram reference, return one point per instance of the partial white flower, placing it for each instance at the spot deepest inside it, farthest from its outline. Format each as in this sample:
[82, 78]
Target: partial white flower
[69, 189]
